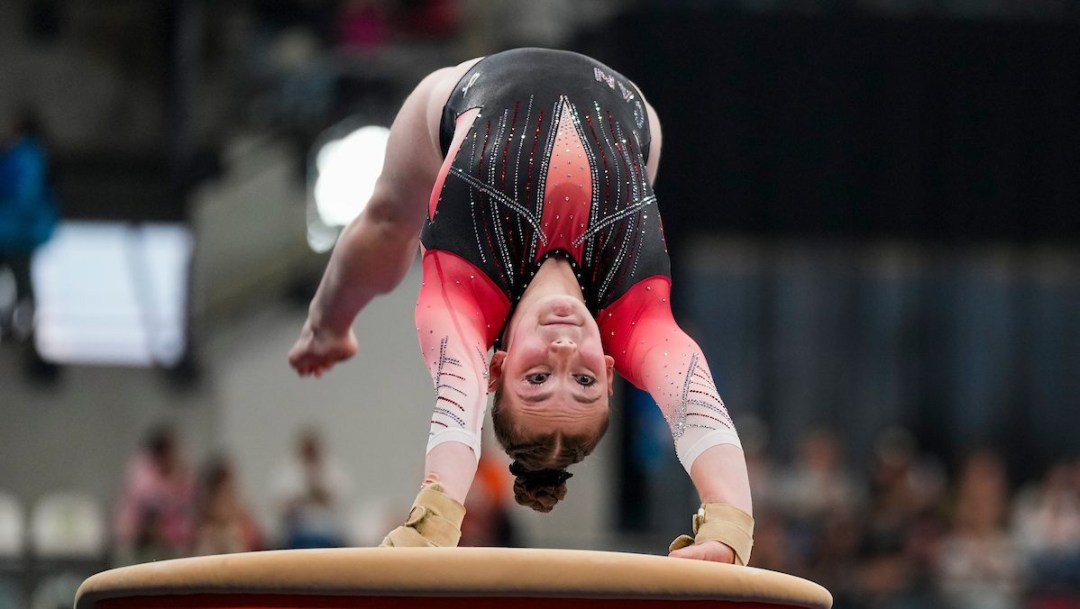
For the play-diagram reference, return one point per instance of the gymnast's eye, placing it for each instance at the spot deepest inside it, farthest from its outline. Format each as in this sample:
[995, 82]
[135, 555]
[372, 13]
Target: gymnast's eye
[537, 378]
[585, 380]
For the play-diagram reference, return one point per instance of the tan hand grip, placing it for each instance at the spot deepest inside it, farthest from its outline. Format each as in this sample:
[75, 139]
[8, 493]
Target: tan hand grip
[434, 521]
[721, 522]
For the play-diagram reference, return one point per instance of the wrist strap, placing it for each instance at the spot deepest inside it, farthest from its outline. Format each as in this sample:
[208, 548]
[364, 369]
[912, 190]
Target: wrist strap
[725, 523]
[436, 516]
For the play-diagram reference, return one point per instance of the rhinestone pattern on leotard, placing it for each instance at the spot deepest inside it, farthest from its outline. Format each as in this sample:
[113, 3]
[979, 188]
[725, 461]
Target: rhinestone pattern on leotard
[508, 218]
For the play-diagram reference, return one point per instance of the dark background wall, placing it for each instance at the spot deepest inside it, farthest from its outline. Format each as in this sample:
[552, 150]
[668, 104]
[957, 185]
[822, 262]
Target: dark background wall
[861, 126]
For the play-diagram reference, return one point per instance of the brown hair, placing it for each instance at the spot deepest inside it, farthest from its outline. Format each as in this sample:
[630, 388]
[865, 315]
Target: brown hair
[540, 462]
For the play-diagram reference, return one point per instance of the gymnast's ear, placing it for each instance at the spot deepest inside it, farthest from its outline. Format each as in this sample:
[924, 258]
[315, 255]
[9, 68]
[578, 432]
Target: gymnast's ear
[495, 371]
[610, 363]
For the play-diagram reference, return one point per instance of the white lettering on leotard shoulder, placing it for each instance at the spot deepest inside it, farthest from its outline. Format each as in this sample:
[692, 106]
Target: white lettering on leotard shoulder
[609, 80]
[472, 81]
[626, 92]
[604, 77]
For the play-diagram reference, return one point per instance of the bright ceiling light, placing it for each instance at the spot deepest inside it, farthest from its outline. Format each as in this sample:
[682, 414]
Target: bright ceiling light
[346, 170]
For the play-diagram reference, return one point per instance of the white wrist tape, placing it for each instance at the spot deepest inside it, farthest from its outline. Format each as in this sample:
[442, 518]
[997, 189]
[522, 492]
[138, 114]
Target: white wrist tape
[445, 434]
[696, 441]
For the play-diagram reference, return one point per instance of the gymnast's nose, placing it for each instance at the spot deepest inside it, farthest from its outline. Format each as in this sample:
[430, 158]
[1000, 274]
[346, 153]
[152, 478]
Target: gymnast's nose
[563, 345]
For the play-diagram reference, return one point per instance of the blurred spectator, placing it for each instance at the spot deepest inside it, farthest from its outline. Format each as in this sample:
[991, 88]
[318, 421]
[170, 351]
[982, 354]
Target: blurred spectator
[773, 549]
[28, 214]
[224, 524]
[834, 561]
[903, 485]
[817, 484]
[312, 493]
[487, 517]
[431, 19]
[1046, 526]
[302, 78]
[901, 526]
[363, 25]
[895, 565]
[754, 434]
[978, 566]
[550, 24]
[922, 549]
[290, 66]
[155, 511]
[316, 16]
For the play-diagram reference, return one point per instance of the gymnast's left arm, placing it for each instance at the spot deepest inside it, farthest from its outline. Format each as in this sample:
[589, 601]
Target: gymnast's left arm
[376, 249]
[653, 353]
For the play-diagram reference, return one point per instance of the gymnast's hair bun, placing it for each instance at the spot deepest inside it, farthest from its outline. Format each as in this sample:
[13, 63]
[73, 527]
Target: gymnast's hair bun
[539, 489]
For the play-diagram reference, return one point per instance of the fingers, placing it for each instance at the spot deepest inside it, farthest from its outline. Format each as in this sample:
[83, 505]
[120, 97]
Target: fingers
[316, 370]
[405, 537]
[712, 551]
[314, 355]
[305, 360]
[310, 362]
[310, 365]
[687, 552]
[300, 356]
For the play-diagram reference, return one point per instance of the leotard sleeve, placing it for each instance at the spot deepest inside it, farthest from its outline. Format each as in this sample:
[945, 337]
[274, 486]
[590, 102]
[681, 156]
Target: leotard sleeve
[458, 315]
[654, 354]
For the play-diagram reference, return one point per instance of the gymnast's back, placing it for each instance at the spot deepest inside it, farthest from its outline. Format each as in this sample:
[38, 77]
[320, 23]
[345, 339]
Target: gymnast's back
[516, 79]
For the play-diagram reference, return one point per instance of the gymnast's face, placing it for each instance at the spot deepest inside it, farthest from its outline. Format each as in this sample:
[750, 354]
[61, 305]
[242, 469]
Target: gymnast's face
[554, 374]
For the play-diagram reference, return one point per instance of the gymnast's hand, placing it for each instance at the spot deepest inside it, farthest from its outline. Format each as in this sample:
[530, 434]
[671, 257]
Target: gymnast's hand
[713, 551]
[318, 349]
[722, 533]
[434, 521]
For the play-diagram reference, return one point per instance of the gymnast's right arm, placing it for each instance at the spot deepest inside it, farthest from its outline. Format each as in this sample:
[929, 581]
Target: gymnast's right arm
[458, 314]
[376, 249]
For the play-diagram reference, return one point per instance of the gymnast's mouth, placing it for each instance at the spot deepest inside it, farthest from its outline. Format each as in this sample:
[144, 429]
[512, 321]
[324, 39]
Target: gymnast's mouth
[561, 320]
[561, 311]
[560, 323]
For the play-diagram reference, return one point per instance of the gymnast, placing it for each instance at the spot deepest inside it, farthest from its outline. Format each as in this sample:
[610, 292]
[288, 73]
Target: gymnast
[526, 179]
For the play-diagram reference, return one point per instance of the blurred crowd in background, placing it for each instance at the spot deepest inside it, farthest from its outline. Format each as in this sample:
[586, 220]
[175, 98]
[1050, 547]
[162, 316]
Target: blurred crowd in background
[898, 532]
[170, 508]
[905, 533]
